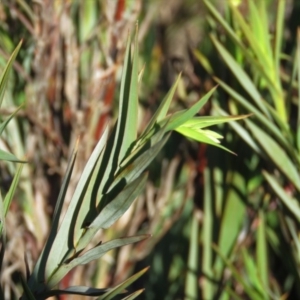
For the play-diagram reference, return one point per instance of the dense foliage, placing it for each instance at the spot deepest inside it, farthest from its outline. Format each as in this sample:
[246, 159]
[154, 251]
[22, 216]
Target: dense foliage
[113, 168]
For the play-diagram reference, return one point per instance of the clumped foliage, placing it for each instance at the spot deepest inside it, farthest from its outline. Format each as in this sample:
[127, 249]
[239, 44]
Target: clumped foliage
[98, 189]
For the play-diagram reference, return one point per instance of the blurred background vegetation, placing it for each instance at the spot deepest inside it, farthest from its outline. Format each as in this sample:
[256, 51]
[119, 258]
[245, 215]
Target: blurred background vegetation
[223, 226]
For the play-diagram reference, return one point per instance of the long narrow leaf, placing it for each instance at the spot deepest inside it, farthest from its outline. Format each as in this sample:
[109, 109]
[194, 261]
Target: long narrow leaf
[291, 203]
[91, 255]
[276, 153]
[113, 210]
[37, 278]
[9, 157]
[181, 117]
[75, 290]
[241, 76]
[6, 71]
[120, 288]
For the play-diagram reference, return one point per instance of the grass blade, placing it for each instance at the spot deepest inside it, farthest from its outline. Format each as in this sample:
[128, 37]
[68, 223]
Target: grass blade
[275, 153]
[5, 74]
[91, 255]
[120, 288]
[291, 203]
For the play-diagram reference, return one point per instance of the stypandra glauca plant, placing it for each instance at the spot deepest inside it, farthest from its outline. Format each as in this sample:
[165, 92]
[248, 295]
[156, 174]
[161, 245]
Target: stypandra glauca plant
[113, 177]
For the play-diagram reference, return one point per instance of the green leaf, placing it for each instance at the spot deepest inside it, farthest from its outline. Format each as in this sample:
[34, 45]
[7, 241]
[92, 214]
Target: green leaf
[280, 27]
[202, 122]
[261, 252]
[134, 295]
[191, 283]
[5, 74]
[100, 250]
[207, 238]
[113, 210]
[88, 199]
[128, 106]
[163, 108]
[5, 123]
[63, 244]
[75, 290]
[120, 288]
[249, 107]
[233, 215]
[89, 256]
[9, 157]
[181, 117]
[276, 153]
[291, 203]
[133, 170]
[203, 136]
[252, 293]
[8, 198]
[241, 76]
[37, 278]
[253, 276]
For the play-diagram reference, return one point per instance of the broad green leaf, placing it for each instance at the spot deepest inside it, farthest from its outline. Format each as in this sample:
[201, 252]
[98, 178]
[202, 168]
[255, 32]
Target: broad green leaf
[63, 243]
[87, 211]
[113, 210]
[233, 216]
[275, 153]
[93, 254]
[117, 207]
[120, 288]
[6, 71]
[291, 203]
[128, 106]
[124, 133]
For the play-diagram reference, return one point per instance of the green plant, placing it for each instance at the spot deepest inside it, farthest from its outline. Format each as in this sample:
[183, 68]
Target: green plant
[251, 215]
[112, 179]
